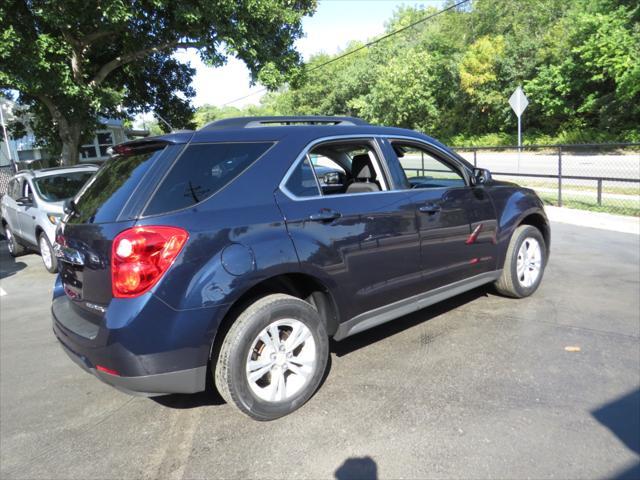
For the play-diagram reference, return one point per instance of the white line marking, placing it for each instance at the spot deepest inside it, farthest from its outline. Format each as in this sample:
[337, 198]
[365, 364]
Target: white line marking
[2, 292]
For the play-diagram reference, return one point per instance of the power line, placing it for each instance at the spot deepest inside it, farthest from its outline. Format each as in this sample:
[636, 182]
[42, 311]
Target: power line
[362, 47]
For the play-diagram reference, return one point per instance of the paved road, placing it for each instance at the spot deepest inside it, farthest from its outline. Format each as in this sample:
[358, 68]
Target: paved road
[480, 387]
[586, 164]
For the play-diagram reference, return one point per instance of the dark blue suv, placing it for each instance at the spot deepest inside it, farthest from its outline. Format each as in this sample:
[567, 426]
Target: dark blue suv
[236, 251]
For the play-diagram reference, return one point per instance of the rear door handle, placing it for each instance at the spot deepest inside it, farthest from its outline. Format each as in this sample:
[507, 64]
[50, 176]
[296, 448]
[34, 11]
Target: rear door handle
[430, 208]
[325, 216]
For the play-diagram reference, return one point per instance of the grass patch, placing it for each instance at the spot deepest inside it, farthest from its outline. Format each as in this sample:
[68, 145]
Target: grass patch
[568, 184]
[608, 206]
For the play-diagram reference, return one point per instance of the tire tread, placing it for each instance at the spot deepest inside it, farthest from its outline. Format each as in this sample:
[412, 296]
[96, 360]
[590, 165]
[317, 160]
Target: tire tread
[237, 331]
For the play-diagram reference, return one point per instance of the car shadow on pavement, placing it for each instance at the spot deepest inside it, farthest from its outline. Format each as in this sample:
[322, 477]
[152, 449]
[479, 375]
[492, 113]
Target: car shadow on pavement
[369, 337]
[8, 265]
[622, 418]
[361, 468]
[179, 401]
[211, 397]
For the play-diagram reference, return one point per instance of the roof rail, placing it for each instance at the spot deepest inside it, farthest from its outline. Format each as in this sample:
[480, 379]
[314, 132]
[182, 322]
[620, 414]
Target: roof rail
[252, 122]
[61, 167]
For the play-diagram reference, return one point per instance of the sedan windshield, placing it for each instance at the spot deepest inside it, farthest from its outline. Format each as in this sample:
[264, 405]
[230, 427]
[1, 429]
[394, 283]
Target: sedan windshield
[55, 188]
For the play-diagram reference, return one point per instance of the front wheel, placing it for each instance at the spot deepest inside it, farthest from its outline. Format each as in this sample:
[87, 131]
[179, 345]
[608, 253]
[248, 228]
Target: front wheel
[524, 264]
[273, 358]
[46, 253]
[15, 249]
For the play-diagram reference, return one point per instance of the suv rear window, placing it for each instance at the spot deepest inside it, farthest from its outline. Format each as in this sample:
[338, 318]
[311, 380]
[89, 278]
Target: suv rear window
[201, 171]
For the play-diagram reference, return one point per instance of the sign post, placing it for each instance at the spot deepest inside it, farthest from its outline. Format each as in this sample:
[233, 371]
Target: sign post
[519, 102]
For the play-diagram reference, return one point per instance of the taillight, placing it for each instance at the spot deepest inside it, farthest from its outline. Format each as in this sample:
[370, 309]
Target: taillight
[141, 255]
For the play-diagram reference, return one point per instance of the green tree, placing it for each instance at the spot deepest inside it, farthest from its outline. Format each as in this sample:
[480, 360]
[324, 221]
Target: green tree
[72, 60]
[590, 77]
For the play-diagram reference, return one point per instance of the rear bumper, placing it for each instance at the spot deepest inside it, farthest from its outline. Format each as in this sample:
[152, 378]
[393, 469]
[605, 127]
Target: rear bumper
[156, 351]
[181, 381]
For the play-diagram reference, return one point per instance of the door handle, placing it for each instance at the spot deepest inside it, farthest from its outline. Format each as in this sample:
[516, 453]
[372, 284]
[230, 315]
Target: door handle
[325, 216]
[430, 208]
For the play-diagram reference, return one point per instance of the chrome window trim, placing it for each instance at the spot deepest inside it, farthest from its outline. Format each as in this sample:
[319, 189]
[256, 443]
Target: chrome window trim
[313, 172]
[313, 143]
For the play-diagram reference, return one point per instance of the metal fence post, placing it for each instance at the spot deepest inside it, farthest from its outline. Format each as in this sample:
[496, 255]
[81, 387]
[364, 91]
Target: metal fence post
[599, 191]
[422, 155]
[475, 160]
[559, 176]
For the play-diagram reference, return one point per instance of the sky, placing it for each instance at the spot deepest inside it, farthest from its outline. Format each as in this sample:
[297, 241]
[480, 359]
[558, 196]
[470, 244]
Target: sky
[329, 30]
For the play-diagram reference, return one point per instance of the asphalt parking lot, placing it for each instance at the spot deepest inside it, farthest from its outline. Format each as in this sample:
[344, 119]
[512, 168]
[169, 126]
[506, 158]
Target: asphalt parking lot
[478, 387]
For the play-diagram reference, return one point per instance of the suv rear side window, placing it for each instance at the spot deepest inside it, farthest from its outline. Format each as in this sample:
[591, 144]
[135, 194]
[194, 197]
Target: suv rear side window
[201, 171]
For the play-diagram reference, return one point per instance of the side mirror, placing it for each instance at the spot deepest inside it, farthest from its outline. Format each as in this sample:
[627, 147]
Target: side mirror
[331, 178]
[69, 207]
[24, 201]
[480, 176]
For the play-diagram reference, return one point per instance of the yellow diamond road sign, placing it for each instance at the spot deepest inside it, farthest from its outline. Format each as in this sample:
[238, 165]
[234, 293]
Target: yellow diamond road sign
[518, 101]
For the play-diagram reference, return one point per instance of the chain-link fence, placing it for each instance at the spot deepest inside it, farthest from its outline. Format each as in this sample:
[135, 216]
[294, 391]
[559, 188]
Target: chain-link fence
[601, 177]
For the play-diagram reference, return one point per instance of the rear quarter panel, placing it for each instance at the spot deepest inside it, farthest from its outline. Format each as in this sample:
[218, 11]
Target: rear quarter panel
[237, 238]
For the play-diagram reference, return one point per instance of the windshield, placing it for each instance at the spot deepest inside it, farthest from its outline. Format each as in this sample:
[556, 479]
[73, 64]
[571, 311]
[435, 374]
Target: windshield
[56, 188]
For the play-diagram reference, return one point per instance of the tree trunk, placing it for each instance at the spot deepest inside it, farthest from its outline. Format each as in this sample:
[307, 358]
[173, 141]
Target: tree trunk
[69, 132]
[70, 137]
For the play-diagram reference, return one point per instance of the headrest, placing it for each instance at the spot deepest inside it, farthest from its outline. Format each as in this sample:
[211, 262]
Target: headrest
[362, 168]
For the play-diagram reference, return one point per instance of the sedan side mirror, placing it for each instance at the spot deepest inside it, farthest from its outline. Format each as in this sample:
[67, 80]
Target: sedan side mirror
[480, 176]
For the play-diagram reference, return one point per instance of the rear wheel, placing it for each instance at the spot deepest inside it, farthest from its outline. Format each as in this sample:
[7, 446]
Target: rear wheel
[273, 357]
[46, 253]
[524, 264]
[15, 249]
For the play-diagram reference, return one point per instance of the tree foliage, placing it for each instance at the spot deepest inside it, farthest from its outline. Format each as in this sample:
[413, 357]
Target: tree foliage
[452, 76]
[73, 60]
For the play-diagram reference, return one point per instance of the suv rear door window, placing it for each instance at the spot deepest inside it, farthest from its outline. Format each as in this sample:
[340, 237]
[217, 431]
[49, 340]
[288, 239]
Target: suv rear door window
[302, 182]
[201, 171]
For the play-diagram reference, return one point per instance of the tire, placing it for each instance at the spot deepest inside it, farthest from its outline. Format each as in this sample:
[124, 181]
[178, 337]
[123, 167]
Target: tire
[282, 380]
[49, 259]
[15, 249]
[523, 269]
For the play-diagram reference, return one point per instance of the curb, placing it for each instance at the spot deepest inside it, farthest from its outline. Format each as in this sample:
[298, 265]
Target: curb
[600, 220]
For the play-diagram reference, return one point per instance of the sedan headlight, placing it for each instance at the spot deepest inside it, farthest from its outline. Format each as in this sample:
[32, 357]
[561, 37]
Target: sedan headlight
[54, 218]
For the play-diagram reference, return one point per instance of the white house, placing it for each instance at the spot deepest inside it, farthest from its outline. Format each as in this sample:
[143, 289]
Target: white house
[25, 149]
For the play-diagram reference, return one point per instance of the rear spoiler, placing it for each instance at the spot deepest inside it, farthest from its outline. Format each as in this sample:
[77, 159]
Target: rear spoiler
[153, 143]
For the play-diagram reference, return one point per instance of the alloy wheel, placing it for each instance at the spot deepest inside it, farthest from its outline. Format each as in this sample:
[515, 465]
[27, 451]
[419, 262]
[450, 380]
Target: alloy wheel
[10, 240]
[281, 360]
[529, 263]
[45, 252]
